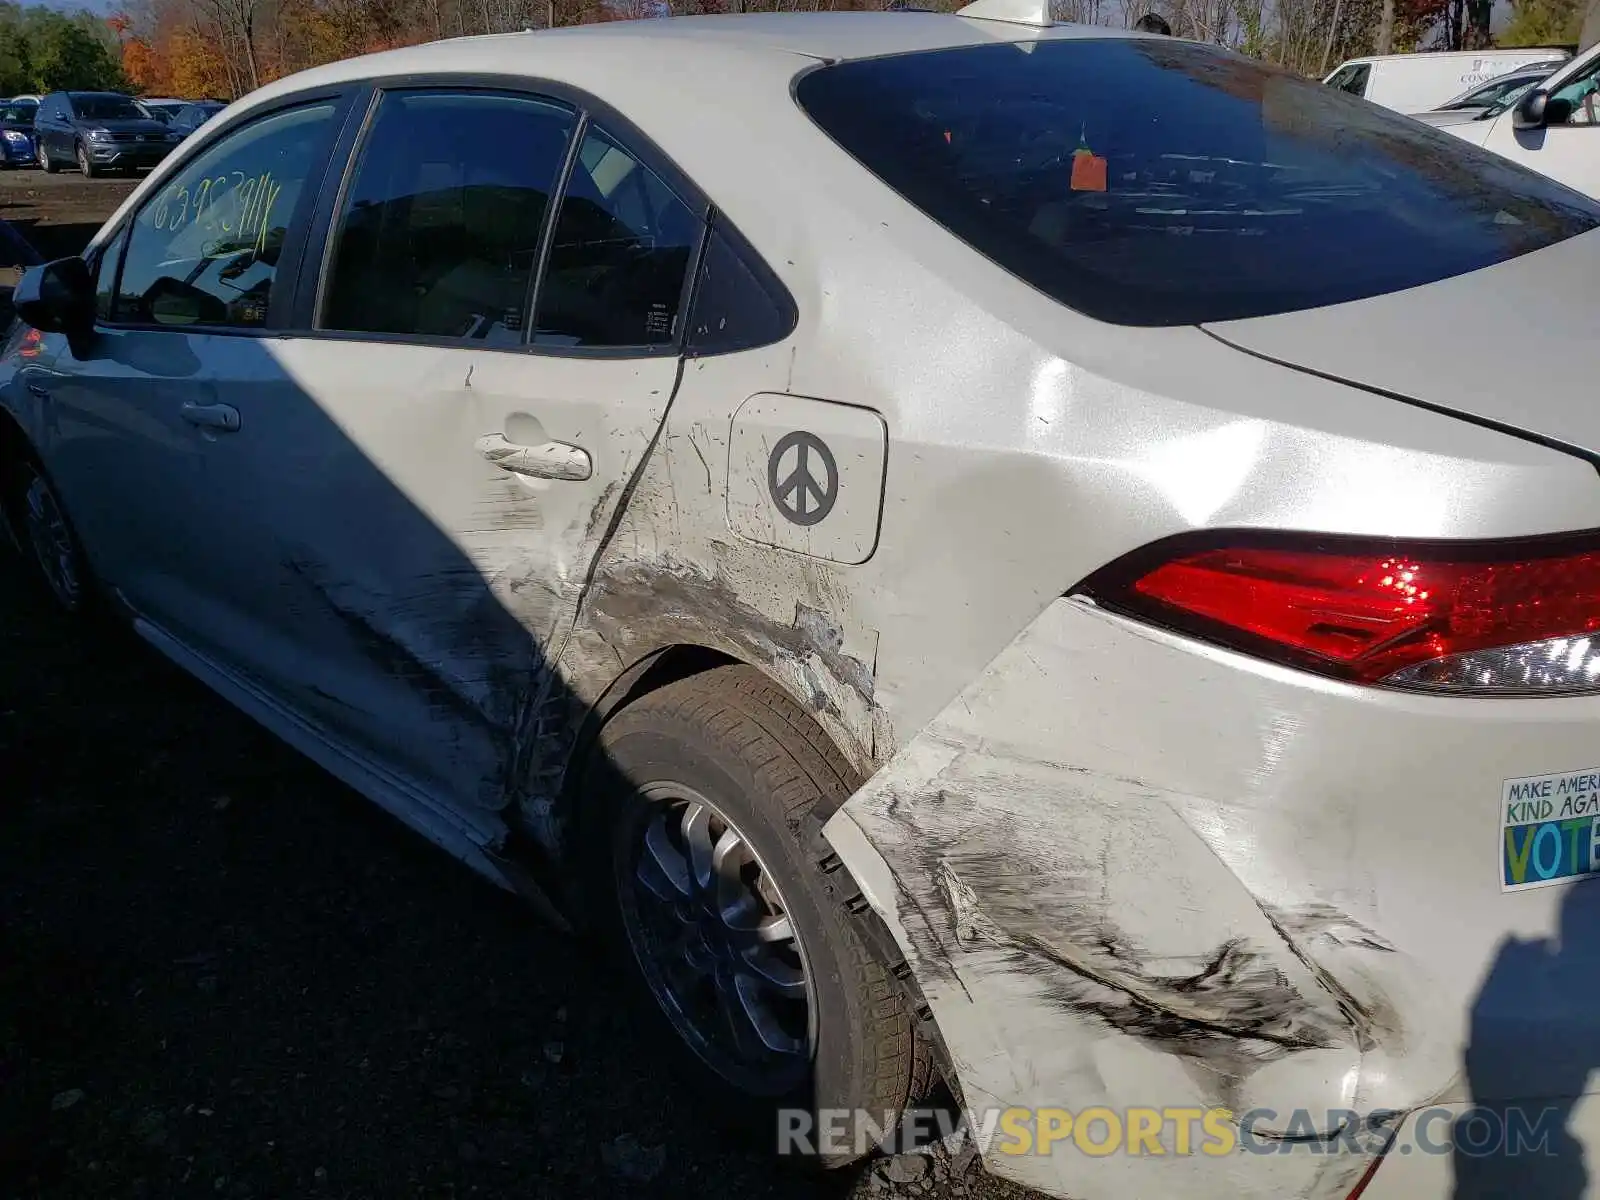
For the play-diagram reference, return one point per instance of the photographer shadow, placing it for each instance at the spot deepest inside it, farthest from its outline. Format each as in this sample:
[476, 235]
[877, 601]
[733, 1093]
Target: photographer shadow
[1531, 1048]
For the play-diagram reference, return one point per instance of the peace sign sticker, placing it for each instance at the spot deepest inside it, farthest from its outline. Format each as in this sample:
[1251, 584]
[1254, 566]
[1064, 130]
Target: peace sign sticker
[802, 477]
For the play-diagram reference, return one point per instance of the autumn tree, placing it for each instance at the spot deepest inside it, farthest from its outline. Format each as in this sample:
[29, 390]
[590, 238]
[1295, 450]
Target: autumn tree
[1544, 23]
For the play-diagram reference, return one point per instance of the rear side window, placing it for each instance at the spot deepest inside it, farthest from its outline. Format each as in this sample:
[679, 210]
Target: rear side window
[440, 231]
[619, 256]
[1157, 182]
[738, 304]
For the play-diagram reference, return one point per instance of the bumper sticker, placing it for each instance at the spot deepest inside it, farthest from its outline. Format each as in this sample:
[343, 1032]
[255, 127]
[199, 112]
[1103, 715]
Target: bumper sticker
[1549, 829]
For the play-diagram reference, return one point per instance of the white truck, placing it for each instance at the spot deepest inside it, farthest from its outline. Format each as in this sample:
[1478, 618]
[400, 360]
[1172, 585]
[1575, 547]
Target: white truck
[1411, 83]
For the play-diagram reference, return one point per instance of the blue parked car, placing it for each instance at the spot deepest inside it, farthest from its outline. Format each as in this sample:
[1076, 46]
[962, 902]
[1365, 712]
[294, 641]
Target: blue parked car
[16, 132]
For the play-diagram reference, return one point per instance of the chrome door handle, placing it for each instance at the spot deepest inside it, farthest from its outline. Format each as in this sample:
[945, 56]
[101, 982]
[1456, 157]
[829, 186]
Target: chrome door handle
[224, 417]
[550, 460]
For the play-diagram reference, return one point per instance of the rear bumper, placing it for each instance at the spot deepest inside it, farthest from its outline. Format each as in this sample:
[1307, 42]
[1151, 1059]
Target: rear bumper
[1134, 873]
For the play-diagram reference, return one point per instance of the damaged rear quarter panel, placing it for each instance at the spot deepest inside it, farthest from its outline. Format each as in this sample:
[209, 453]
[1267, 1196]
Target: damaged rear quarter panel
[1087, 931]
[1088, 937]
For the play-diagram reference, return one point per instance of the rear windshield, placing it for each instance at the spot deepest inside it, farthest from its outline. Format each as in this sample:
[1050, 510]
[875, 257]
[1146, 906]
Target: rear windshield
[1157, 182]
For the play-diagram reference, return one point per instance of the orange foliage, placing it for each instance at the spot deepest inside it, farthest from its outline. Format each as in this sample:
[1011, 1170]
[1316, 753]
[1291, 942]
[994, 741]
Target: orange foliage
[145, 66]
[195, 65]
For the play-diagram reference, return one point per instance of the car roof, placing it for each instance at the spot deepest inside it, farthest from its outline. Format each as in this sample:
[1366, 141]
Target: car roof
[777, 39]
[713, 94]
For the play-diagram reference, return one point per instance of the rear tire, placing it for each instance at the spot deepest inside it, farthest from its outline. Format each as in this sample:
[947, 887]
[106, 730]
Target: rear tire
[705, 877]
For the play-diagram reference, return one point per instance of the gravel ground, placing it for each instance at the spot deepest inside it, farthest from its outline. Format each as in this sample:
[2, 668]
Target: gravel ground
[59, 213]
[224, 974]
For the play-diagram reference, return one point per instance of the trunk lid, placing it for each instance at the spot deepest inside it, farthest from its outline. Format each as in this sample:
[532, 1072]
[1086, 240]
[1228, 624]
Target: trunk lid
[1512, 345]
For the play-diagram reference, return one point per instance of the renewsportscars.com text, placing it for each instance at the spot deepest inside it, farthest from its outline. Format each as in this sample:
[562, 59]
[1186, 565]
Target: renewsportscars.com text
[1216, 1132]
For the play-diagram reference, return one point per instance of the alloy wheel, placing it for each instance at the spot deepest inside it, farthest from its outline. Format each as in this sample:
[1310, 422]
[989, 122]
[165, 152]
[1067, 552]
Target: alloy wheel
[715, 941]
[50, 537]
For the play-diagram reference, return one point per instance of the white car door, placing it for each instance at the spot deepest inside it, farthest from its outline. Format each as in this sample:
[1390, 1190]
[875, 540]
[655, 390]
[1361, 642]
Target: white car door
[183, 288]
[422, 478]
[1568, 148]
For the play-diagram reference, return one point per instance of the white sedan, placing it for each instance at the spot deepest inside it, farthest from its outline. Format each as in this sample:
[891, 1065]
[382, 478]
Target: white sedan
[949, 543]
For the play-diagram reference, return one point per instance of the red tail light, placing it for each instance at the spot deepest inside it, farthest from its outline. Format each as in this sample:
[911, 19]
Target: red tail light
[1497, 617]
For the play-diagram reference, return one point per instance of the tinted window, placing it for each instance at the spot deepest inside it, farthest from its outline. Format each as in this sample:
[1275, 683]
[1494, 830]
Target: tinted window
[619, 254]
[193, 116]
[17, 114]
[205, 250]
[1354, 79]
[440, 233]
[1580, 97]
[1213, 187]
[107, 108]
[738, 305]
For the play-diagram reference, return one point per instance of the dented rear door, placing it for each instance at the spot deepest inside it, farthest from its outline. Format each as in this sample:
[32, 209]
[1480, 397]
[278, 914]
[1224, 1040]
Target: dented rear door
[416, 590]
[420, 509]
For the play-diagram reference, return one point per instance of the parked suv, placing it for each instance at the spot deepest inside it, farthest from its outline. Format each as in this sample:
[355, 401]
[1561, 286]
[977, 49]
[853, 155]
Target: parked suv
[99, 131]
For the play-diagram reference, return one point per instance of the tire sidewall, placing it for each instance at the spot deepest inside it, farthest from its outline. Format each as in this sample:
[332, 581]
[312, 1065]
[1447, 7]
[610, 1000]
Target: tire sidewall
[18, 477]
[644, 746]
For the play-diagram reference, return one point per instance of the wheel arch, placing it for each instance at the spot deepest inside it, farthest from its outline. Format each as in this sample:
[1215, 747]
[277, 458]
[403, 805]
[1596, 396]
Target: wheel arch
[648, 673]
[672, 663]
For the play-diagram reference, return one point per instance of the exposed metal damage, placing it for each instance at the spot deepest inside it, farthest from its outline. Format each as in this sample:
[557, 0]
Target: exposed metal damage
[639, 603]
[459, 648]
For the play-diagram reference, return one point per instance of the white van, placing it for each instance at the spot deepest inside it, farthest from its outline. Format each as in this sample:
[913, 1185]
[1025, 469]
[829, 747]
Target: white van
[1558, 135]
[1412, 83]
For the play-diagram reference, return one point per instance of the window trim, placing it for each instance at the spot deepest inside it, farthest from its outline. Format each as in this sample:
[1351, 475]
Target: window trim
[590, 109]
[286, 275]
[718, 225]
[317, 270]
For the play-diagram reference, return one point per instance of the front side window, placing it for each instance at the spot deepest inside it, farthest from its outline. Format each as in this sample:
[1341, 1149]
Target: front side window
[1352, 79]
[1213, 188]
[205, 250]
[619, 255]
[1579, 99]
[440, 231]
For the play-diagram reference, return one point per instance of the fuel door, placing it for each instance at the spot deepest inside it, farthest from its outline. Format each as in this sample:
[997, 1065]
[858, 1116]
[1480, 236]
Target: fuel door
[807, 475]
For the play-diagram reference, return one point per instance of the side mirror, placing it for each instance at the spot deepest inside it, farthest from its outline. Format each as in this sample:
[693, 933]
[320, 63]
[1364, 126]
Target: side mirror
[1532, 111]
[58, 298]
